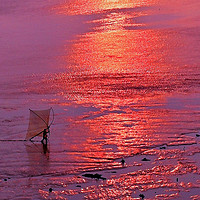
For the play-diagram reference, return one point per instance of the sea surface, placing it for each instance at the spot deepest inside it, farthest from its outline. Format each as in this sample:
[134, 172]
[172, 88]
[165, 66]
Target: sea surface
[123, 79]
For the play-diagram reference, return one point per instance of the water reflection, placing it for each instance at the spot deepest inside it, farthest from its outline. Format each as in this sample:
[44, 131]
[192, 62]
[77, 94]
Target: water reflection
[122, 51]
[128, 70]
[132, 67]
[78, 7]
[38, 155]
[130, 89]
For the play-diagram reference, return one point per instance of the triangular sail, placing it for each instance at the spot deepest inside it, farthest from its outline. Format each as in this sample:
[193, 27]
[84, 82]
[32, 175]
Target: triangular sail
[38, 121]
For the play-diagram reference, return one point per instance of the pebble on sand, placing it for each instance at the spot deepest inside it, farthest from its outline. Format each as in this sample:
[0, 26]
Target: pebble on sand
[142, 196]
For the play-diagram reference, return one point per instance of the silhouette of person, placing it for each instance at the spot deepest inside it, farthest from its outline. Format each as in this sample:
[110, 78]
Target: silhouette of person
[123, 161]
[45, 131]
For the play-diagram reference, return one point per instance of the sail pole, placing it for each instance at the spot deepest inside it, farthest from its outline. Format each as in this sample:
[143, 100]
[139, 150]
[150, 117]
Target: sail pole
[53, 117]
[52, 120]
[36, 135]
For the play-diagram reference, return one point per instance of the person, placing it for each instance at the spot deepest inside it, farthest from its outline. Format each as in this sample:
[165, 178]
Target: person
[45, 131]
[123, 161]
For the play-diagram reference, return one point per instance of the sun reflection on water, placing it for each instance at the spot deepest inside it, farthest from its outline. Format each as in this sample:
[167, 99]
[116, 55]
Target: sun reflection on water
[121, 78]
[126, 99]
[78, 7]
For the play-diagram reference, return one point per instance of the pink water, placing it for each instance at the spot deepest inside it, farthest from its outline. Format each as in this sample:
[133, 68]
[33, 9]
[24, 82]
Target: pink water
[123, 79]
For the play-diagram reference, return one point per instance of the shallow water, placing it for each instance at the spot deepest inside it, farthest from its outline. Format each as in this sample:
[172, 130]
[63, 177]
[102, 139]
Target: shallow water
[123, 80]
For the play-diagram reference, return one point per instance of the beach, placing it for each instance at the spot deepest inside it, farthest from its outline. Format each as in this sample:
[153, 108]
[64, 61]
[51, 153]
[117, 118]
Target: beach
[123, 80]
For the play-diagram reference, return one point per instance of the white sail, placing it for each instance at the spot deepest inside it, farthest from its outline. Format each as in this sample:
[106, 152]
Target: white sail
[38, 121]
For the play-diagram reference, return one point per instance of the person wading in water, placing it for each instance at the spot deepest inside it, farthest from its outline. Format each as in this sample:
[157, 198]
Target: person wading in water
[45, 131]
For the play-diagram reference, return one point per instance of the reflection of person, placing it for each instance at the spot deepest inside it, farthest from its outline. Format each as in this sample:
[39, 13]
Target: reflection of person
[45, 131]
[45, 150]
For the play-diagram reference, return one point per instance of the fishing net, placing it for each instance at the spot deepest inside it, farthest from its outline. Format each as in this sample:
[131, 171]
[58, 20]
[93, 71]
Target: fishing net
[38, 121]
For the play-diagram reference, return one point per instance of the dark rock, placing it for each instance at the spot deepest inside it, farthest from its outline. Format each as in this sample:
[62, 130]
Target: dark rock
[142, 196]
[78, 186]
[145, 159]
[97, 176]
